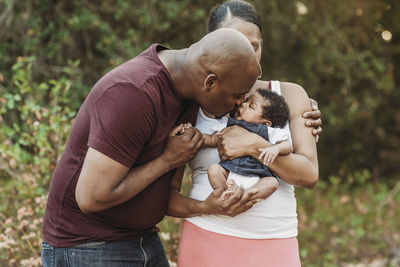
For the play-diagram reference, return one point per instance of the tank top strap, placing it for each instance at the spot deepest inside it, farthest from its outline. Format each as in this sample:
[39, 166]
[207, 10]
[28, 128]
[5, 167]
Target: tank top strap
[275, 87]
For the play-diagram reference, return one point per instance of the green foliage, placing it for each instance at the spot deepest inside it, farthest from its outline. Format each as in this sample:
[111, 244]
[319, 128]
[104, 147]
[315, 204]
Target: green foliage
[349, 222]
[35, 121]
[52, 53]
[99, 34]
[334, 49]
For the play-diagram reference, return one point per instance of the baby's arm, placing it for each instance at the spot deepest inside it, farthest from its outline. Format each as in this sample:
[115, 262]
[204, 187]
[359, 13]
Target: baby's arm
[264, 188]
[210, 140]
[270, 153]
[285, 147]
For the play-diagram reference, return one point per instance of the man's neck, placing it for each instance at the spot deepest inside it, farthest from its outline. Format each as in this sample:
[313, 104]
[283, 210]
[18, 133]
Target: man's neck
[174, 61]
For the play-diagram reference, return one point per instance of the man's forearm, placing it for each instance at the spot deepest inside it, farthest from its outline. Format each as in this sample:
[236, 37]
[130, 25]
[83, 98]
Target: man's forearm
[114, 191]
[137, 179]
[183, 207]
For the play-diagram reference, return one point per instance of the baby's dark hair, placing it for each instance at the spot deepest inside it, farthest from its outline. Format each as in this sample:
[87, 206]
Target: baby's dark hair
[238, 9]
[276, 110]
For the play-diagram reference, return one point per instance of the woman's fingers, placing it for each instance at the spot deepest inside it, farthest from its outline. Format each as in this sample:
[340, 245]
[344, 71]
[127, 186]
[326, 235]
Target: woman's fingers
[314, 123]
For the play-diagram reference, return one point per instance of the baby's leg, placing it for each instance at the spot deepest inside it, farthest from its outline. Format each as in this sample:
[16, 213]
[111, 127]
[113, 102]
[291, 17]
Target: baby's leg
[217, 175]
[265, 187]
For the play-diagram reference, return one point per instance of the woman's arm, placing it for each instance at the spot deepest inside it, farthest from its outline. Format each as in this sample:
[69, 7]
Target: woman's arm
[299, 168]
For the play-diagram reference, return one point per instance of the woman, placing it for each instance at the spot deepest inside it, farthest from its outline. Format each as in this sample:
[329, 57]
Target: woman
[266, 234]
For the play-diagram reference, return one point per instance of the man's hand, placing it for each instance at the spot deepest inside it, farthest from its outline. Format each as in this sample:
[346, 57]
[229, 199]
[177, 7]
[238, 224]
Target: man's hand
[183, 144]
[238, 202]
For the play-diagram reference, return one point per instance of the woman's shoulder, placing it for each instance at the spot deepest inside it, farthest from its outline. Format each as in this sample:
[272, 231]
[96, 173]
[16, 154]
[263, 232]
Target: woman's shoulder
[294, 94]
[260, 84]
[287, 87]
[290, 88]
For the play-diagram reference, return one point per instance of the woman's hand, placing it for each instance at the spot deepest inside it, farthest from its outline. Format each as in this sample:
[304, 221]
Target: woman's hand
[314, 119]
[236, 142]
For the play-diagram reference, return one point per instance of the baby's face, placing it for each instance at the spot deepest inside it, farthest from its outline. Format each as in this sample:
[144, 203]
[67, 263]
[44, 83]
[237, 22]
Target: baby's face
[251, 109]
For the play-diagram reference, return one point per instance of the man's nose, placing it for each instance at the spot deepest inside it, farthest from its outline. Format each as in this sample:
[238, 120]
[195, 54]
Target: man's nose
[239, 102]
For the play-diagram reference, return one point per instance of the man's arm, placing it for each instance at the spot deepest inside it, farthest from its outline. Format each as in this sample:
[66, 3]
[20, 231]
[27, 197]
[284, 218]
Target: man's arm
[182, 206]
[104, 182]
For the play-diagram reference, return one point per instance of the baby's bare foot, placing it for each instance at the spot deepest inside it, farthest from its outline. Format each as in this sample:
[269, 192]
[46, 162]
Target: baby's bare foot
[231, 187]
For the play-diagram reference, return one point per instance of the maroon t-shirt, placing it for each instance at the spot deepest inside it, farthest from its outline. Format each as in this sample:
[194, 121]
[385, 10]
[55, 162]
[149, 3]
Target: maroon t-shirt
[127, 116]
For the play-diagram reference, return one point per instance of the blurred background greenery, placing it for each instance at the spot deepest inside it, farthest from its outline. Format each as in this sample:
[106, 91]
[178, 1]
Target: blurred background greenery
[346, 54]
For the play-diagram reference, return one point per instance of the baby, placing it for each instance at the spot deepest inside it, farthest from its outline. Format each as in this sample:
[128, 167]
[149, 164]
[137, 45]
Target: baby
[264, 113]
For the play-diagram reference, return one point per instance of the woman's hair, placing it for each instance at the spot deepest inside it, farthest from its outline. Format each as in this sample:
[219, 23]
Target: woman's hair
[276, 110]
[233, 9]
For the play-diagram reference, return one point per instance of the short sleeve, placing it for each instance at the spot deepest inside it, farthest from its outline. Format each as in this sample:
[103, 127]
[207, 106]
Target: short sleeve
[122, 121]
[277, 135]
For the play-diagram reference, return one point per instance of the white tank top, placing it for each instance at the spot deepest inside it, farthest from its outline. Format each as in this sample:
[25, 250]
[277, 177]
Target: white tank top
[274, 217]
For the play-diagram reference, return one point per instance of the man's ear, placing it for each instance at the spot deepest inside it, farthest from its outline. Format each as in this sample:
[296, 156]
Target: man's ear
[210, 82]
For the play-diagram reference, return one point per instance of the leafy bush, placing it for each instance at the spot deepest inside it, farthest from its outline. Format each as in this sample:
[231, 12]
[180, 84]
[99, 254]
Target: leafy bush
[333, 49]
[52, 52]
[35, 121]
[349, 222]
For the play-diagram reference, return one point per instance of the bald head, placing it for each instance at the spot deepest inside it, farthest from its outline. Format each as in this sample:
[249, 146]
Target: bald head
[221, 67]
[226, 52]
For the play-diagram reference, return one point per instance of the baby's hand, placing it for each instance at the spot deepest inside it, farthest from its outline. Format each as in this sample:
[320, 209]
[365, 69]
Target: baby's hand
[185, 126]
[269, 154]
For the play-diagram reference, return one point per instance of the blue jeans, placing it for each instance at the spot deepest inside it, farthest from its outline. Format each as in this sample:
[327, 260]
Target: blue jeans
[145, 251]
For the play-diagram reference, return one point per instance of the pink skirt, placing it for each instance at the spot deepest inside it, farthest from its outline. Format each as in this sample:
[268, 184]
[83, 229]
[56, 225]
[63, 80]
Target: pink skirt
[202, 248]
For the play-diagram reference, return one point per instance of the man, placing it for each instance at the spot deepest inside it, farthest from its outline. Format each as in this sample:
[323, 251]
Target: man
[112, 183]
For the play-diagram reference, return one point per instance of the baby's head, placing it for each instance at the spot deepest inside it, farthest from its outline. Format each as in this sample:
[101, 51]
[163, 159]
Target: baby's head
[264, 107]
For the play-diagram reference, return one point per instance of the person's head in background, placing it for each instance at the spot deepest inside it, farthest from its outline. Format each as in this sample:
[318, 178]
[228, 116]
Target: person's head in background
[241, 16]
